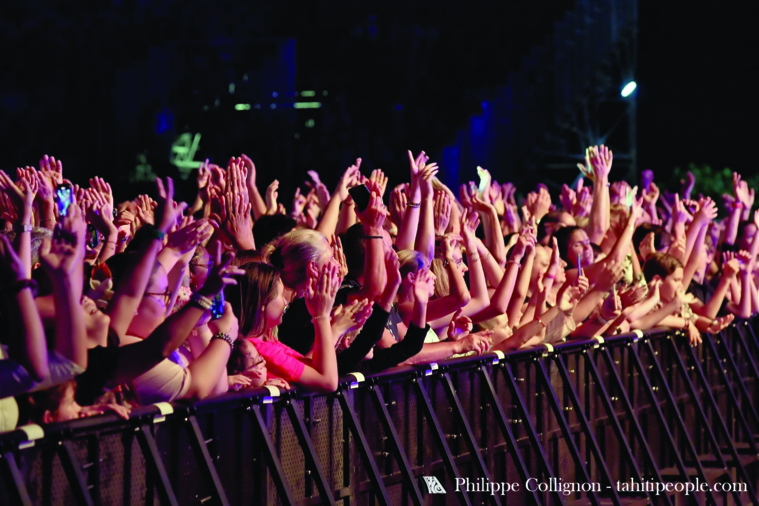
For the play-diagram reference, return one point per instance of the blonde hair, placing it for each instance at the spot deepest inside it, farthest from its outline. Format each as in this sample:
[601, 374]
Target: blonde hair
[291, 253]
[443, 281]
[411, 261]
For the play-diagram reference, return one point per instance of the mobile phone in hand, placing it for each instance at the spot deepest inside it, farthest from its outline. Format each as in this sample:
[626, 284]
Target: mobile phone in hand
[360, 195]
[217, 306]
[93, 237]
[64, 196]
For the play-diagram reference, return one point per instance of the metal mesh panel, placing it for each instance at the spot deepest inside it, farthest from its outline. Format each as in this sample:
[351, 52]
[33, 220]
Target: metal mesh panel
[327, 437]
[293, 462]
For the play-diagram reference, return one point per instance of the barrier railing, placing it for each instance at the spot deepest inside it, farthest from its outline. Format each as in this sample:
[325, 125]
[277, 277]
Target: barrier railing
[602, 421]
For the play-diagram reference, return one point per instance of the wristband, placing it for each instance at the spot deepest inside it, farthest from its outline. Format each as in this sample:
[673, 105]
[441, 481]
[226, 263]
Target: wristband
[413, 204]
[154, 233]
[537, 319]
[25, 283]
[224, 337]
[22, 228]
[204, 302]
[515, 262]
[320, 317]
[373, 237]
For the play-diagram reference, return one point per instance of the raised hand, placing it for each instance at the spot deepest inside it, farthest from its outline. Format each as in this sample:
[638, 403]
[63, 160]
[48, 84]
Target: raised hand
[166, 213]
[320, 295]
[633, 294]
[719, 324]
[611, 307]
[21, 194]
[442, 212]
[378, 177]
[271, 197]
[349, 179]
[237, 223]
[398, 202]
[13, 269]
[539, 203]
[373, 217]
[569, 296]
[339, 255]
[220, 274]
[424, 284]
[349, 318]
[601, 159]
[299, 204]
[687, 184]
[52, 169]
[65, 252]
[187, 238]
[460, 326]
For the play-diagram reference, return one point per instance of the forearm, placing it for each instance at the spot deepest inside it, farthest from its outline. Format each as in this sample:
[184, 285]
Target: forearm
[23, 243]
[695, 259]
[652, 319]
[257, 203]
[70, 331]
[207, 371]
[599, 211]
[324, 359]
[494, 239]
[514, 310]
[711, 308]
[492, 269]
[328, 223]
[621, 247]
[694, 237]
[347, 217]
[731, 230]
[28, 336]
[425, 235]
[109, 247]
[408, 227]
[500, 300]
[375, 276]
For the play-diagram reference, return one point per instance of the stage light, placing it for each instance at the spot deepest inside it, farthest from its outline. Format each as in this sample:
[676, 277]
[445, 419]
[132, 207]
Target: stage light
[242, 107]
[307, 93]
[307, 105]
[629, 88]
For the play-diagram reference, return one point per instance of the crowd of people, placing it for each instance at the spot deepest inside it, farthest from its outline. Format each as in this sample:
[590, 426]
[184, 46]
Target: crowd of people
[112, 305]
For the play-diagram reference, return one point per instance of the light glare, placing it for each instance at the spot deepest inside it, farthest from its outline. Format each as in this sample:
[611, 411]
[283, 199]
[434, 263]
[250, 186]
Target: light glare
[629, 88]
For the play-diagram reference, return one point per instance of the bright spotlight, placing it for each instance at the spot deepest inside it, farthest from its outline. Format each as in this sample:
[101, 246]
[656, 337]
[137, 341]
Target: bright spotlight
[629, 88]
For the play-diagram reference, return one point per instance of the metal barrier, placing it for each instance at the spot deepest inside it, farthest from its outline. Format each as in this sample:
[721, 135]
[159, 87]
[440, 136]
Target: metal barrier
[601, 421]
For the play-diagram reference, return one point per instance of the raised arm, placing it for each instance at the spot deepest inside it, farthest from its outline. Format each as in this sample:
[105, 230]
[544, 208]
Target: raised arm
[129, 292]
[328, 223]
[256, 200]
[322, 374]
[600, 159]
[410, 223]
[425, 236]
[26, 335]
[61, 259]
[372, 220]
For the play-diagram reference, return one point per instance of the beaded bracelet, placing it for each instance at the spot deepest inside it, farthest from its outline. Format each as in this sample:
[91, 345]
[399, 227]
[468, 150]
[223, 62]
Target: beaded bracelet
[413, 204]
[224, 337]
[199, 300]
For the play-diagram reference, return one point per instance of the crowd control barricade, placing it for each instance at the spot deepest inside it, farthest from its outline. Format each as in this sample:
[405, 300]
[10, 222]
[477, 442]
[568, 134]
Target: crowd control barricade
[599, 421]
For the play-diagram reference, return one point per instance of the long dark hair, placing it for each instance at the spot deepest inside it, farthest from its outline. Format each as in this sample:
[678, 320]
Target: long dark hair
[253, 292]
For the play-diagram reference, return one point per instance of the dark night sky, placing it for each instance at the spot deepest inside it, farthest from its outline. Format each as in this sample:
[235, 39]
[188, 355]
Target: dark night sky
[697, 69]
[697, 84]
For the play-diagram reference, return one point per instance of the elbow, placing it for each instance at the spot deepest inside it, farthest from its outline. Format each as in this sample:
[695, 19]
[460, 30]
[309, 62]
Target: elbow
[327, 386]
[465, 298]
